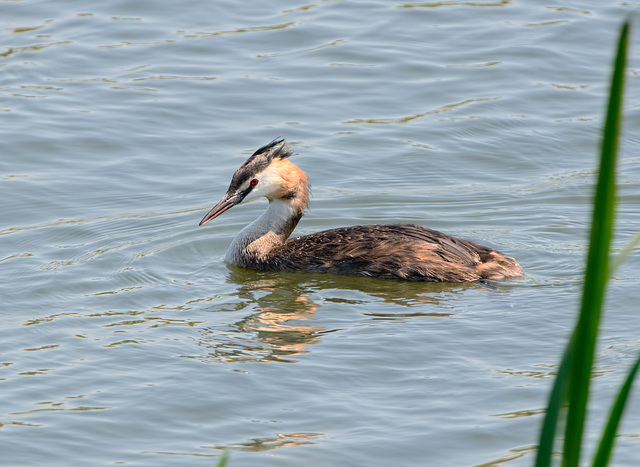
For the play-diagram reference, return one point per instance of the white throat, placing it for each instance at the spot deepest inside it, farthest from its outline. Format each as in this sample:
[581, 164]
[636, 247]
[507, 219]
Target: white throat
[268, 231]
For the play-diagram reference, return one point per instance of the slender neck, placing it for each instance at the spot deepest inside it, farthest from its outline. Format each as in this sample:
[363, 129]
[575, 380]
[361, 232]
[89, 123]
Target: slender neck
[255, 242]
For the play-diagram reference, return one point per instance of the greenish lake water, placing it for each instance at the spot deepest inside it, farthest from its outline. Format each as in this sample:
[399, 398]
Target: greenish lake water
[125, 339]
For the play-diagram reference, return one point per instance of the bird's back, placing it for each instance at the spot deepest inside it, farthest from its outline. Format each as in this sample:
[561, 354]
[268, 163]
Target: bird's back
[391, 251]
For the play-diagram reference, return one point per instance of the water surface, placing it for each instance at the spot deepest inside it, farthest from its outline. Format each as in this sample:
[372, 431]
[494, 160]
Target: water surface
[125, 338]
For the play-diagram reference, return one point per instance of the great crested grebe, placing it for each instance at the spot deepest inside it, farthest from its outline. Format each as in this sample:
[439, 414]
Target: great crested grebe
[386, 251]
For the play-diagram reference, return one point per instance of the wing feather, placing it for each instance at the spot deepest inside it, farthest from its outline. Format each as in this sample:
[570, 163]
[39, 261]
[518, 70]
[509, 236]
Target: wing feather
[388, 251]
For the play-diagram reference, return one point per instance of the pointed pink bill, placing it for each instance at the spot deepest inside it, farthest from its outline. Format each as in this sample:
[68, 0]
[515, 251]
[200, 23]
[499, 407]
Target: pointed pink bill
[225, 204]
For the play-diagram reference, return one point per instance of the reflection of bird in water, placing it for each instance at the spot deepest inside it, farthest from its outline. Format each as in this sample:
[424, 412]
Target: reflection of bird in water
[387, 251]
[280, 327]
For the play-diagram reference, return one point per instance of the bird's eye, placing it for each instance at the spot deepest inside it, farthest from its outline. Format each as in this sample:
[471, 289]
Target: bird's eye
[253, 182]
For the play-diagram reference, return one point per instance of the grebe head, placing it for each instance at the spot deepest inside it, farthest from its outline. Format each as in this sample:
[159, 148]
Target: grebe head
[267, 173]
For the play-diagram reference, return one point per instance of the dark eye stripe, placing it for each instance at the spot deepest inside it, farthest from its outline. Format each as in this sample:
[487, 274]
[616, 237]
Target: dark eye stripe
[242, 195]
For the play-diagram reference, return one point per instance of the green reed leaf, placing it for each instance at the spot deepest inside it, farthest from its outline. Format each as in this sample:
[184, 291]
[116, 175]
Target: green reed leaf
[623, 254]
[597, 271]
[572, 382]
[556, 401]
[224, 459]
[603, 454]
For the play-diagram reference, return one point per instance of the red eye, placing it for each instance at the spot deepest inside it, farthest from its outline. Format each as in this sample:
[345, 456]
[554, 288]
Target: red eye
[254, 182]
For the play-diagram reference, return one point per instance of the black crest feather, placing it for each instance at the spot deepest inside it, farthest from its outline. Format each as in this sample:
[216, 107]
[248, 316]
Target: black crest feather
[276, 148]
[260, 160]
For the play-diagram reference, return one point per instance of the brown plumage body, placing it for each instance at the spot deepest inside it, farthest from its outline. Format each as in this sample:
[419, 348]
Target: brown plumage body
[386, 251]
